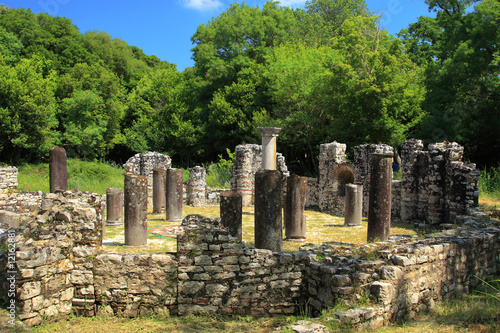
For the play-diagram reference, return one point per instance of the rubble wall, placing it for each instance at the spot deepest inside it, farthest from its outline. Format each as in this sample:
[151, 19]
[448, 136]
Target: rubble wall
[8, 180]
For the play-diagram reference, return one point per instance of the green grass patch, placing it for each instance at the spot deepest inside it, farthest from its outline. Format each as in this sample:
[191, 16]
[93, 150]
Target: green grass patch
[82, 175]
[489, 183]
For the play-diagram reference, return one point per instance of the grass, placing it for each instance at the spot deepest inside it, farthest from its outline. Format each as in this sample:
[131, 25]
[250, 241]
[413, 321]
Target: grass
[82, 175]
[474, 313]
[321, 228]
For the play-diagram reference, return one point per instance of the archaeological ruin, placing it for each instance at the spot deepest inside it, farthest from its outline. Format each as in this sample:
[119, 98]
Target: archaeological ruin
[52, 244]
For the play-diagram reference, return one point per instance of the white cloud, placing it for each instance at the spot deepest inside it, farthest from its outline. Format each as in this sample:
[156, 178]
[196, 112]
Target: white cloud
[292, 3]
[202, 5]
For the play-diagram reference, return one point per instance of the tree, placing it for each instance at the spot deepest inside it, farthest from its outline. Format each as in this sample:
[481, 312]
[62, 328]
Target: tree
[105, 87]
[27, 109]
[10, 47]
[461, 53]
[376, 90]
[85, 124]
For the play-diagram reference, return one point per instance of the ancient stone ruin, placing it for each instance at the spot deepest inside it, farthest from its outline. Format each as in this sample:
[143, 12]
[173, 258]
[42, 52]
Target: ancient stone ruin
[60, 268]
[53, 246]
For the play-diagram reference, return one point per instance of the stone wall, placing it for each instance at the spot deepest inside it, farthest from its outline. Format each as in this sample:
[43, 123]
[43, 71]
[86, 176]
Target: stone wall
[410, 278]
[247, 161]
[144, 163]
[217, 273]
[436, 185]
[362, 165]
[131, 284]
[54, 253]
[8, 180]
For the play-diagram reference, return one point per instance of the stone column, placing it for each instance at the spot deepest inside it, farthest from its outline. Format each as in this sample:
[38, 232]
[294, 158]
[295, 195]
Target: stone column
[159, 190]
[379, 207]
[269, 135]
[58, 170]
[197, 186]
[136, 205]
[114, 206]
[268, 215]
[353, 205]
[295, 218]
[231, 213]
[174, 195]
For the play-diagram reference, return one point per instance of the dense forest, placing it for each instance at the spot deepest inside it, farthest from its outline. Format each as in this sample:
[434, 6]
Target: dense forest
[326, 72]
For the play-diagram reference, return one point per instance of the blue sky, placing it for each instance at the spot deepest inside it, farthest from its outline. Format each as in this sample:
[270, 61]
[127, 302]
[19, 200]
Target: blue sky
[164, 27]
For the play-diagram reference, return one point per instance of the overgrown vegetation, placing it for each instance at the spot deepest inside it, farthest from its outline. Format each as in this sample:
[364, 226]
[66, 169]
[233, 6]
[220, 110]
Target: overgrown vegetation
[489, 182]
[82, 175]
[320, 76]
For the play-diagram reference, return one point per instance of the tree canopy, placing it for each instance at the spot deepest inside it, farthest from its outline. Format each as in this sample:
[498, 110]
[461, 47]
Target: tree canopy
[325, 72]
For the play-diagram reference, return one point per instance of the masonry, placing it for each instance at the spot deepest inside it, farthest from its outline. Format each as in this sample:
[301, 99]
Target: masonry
[8, 180]
[62, 268]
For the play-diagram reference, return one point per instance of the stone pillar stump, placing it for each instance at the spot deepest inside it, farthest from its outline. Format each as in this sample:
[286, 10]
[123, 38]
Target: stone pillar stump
[174, 195]
[58, 170]
[268, 211]
[136, 205]
[269, 135]
[380, 197]
[159, 190]
[295, 218]
[231, 213]
[353, 205]
[114, 206]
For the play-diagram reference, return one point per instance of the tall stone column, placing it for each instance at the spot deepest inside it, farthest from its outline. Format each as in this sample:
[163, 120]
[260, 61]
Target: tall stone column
[136, 205]
[114, 206]
[380, 197]
[295, 218]
[174, 195]
[197, 186]
[231, 213]
[353, 205]
[269, 135]
[58, 170]
[268, 215]
[159, 190]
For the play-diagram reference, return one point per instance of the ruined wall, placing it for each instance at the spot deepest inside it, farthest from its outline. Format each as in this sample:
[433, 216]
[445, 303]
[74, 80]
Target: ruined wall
[143, 164]
[132, 284]
[247, 161]
[217, 273]
[53, 262]
[362, 164]
[436, 185]
[8, 180]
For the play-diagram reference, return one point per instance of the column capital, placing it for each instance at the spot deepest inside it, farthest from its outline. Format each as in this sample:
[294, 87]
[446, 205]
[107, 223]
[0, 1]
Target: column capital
[269, 131]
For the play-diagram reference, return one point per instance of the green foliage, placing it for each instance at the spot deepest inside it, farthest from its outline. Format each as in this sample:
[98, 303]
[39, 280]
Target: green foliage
[459, 50]
[489, 182]
[219, 174]
[27, 108]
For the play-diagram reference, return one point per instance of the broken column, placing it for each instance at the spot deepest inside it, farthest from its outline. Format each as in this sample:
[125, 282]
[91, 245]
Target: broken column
[197, 186]
[295, 218]
[268, 215]
[58, 170]
[174, 195]
[136, 205]
[379, 207]
[114, 206]
[231, 213]
[269, 135]
[159, 190]
[353, 205]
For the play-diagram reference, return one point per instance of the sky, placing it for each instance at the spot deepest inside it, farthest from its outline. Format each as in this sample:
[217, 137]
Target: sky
[164, 27]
